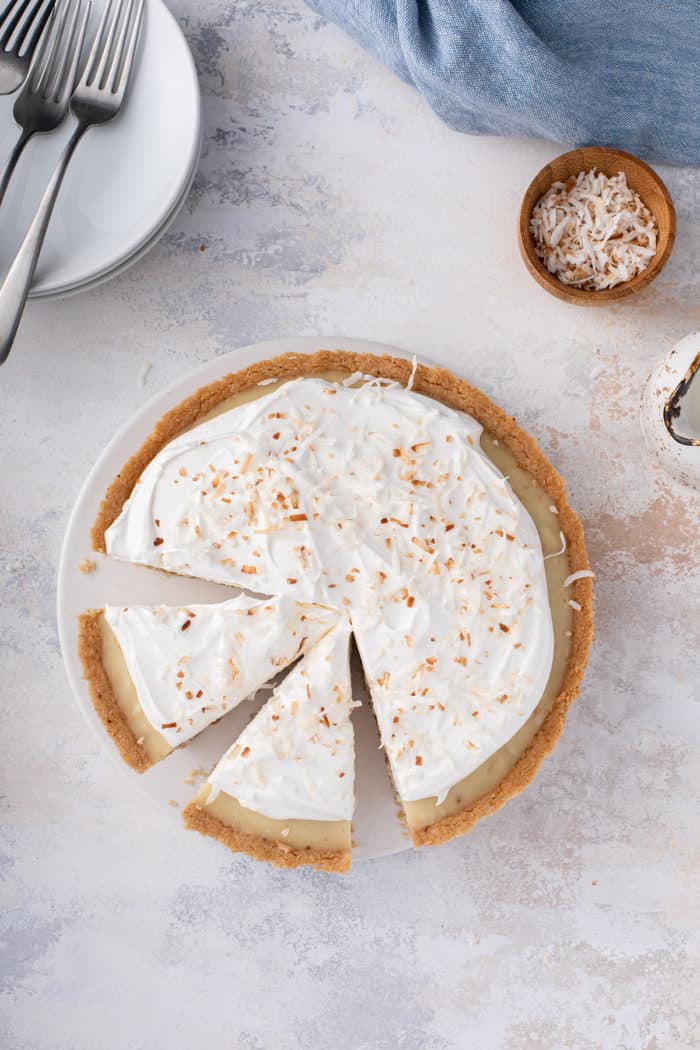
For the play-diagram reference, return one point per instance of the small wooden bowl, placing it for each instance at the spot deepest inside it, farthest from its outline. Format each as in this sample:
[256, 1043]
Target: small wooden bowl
[640, 178]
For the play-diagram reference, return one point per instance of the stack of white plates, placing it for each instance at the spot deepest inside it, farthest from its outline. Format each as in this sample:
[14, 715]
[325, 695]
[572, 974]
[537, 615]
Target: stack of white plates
[127, 180]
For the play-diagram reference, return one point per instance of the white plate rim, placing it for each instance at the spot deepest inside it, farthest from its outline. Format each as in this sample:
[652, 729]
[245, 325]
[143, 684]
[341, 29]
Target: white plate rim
[133, 432]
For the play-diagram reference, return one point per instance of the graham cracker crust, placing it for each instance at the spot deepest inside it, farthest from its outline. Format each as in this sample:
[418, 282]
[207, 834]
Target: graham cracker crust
[434, 382]
[102, 695]
[281, 855]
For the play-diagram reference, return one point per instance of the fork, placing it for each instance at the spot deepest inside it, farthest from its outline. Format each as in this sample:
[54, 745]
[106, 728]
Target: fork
[97, 99]
[21, 25]
[43, 101]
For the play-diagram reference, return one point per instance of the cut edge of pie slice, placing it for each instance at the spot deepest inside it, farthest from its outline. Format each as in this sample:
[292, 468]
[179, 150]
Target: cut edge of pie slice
[509, 768]
[284, 791]
[159, 675]
[503, 431]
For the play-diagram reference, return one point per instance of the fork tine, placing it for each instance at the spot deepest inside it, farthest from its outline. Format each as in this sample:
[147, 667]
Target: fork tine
[36, 15]
[15, 13]
[60, 53]
[96, 49]
[75, 46]
[120, 86]
[111, 77]
[39, 60]
[34, 28]
[6, 10]
[45, 74]
[119, 47]
[99, 79]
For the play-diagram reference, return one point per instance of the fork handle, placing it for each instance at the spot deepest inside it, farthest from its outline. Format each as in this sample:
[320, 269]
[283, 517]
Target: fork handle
[12, 161]
[15, 287]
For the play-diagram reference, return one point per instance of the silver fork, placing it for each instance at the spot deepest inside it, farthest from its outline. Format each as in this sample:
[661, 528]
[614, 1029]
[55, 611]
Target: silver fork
[97, 99]
[43, 101]
[21, 26]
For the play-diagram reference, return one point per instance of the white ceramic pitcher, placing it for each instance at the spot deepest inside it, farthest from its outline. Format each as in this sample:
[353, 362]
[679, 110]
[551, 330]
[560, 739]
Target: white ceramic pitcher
[670, 411]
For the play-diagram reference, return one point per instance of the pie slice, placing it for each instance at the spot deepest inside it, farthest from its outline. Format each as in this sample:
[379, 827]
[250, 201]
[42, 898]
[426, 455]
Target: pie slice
[285, 791]
[158, 675]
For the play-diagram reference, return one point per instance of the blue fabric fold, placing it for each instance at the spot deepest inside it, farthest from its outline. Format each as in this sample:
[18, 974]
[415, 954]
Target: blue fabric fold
[623, 73]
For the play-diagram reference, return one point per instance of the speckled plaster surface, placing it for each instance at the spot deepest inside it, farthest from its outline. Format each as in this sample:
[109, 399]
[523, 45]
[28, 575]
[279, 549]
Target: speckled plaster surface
[331, 201]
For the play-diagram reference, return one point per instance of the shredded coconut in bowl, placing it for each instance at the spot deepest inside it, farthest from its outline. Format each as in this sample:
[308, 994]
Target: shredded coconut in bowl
[593, 231]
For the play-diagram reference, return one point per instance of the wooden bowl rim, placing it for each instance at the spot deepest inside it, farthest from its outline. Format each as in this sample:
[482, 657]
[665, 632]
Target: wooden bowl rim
[589, 296]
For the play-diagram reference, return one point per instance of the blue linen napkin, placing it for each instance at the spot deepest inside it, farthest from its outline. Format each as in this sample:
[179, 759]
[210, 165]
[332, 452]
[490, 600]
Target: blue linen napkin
[623, 73]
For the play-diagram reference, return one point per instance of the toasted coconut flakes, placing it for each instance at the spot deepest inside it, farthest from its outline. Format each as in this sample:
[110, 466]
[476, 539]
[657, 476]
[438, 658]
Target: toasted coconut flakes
[556, 554]
[593, 231]
[414, 369]
[582, 574]
[354, 377]
[143, 372]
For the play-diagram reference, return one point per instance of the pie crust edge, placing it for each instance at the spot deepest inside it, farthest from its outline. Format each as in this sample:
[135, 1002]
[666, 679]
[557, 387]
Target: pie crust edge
[280, 854]
[435, 382]
[102, 694]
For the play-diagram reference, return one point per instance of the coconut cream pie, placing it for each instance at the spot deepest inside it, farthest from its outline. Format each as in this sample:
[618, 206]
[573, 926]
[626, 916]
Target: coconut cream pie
[404, 499]
[284, 790]
[159, 675]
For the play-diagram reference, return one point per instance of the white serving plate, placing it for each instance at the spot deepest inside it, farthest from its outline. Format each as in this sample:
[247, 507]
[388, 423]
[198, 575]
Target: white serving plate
[126, 180]
[377, 830]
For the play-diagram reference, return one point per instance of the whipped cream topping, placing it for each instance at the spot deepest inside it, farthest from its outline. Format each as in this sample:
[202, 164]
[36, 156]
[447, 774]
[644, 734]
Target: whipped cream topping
[380, 502]
[191, 665]
[296, 759]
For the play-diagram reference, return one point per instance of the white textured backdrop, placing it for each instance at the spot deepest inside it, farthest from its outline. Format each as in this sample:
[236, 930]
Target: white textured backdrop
[330, 200]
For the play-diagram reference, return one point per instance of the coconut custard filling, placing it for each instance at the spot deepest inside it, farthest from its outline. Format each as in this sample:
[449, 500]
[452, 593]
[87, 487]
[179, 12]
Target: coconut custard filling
[175, 670]
[394, 509]
[289, 776]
